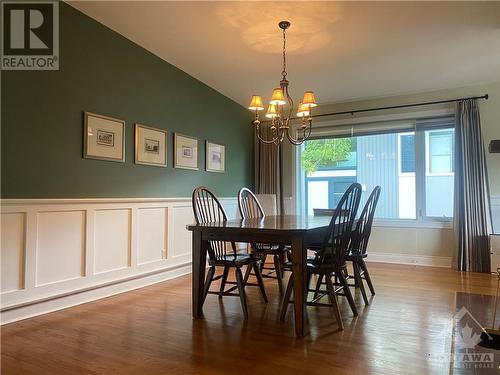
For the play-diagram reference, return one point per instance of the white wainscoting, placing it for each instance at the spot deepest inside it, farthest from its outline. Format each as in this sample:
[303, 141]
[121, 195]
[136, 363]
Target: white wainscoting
[57, 253]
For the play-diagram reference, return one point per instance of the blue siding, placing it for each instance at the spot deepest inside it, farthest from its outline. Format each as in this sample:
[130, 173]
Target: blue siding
[378, 165]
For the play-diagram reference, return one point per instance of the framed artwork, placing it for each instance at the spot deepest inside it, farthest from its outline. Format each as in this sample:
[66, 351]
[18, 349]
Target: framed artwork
[215, 157]
[185, 152]
[150, 146]
[103, 138]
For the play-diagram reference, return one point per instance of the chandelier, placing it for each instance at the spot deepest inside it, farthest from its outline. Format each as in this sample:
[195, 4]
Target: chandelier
[279, 116]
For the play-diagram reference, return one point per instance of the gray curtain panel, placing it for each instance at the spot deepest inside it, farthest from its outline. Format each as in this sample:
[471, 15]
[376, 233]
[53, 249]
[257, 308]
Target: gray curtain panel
[472, 211]
[267, 165]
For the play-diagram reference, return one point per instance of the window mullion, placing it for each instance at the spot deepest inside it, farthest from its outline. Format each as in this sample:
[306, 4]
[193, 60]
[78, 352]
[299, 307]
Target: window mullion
[420, 174]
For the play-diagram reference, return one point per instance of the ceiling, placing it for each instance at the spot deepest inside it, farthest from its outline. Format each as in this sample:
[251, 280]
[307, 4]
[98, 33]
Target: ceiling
[341, 50]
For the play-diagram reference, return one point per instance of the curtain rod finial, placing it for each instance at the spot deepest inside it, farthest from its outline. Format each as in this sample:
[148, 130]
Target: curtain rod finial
[486, 96]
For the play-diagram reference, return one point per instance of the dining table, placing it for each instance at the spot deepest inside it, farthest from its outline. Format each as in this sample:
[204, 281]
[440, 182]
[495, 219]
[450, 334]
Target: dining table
[297, 231]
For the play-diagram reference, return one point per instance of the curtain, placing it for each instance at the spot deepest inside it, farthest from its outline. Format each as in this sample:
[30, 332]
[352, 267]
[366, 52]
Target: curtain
[268, 171]
[472, 212]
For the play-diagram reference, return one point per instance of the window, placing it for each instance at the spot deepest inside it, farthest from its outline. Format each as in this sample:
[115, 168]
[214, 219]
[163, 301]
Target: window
[440, 151]
[414, 167]
[439, 177]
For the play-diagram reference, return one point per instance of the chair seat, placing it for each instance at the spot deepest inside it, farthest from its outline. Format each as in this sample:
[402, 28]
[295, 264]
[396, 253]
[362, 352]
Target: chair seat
[237, 259]
[269, 249]
[315, 246]
[352, 256]
[314, 266]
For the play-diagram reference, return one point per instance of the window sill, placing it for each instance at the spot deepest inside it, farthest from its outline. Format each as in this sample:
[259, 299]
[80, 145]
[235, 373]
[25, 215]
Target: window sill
[409, 223]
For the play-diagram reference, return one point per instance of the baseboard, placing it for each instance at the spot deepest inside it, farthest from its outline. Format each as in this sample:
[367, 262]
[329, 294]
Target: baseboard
[77, 298]
[416, 260]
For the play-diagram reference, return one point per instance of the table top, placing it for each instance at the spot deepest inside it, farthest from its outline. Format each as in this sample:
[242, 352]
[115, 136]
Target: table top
[288, 223]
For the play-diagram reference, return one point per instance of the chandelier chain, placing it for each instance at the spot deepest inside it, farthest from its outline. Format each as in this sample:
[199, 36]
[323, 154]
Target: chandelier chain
[283, 73]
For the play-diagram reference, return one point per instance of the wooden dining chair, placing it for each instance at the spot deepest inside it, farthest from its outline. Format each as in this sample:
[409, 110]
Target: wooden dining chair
[330, 260]
[250, 207]
[207, 208]
[359, 243]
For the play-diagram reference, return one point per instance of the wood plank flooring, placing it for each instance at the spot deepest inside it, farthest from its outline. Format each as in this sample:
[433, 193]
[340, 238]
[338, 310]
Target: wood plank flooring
[407, 329]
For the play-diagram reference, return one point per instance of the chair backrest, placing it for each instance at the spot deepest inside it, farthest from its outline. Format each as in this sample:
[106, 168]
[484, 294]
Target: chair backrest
[336, 243]
[207, 208]
[249, 205]
[363, 228]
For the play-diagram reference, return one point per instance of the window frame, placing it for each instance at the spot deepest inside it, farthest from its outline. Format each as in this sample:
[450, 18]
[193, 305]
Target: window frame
[422, 220]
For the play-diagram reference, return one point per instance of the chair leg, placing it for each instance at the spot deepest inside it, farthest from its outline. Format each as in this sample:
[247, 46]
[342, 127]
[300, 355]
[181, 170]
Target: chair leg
[277, 267]
[355, 270]
[367, 276]
[282, 257]
[247, 274]
[241, 290]
[263, 262]
[318, 285]
[223, 281]
[347, 291]
[359, 281]
[260, 281]
[334, 302]
[286, 297]
[208, 281]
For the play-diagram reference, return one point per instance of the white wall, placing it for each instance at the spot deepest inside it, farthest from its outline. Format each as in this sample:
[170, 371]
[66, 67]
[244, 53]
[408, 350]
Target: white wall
[60, 252]
[57, 253]
[424, 245]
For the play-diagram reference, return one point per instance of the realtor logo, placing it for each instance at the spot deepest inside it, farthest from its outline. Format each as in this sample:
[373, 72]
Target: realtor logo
[468, 354]
[30, 38]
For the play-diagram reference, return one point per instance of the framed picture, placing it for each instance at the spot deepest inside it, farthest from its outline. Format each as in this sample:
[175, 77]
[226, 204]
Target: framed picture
[185, 152]
[103, 138]
[215, 157]
[150, 146]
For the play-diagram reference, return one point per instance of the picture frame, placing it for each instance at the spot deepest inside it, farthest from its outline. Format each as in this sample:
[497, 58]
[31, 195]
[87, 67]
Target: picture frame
[150, 146]
[103, 138]
[215, 158]
[185, 152]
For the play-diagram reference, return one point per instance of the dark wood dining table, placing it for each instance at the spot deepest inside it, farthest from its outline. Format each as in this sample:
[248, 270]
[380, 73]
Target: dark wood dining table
[295, 230]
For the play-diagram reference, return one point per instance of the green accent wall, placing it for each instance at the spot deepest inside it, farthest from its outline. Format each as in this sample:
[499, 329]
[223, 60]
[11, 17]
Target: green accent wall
[103, 72]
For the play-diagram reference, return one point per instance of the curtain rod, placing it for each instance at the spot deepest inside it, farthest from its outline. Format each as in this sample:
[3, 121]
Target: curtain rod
[398, 106]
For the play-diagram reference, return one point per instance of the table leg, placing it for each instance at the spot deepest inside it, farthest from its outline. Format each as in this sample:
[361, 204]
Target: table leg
[198, 273]
[299, 262]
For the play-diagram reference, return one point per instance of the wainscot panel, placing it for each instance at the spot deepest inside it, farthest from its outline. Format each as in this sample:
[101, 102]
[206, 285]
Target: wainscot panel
[58, 253]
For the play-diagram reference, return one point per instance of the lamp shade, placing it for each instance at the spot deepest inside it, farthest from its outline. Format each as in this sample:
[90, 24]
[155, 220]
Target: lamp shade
[309, 99]
[271, 111]
[302, 110]
[277, 98]
[256, 103]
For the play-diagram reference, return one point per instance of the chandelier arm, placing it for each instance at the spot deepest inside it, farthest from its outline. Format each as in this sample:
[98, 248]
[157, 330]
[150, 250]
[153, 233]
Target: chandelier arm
[294, 141]
[281, 135]
[309, 128]
[257, 133]
[290, 109]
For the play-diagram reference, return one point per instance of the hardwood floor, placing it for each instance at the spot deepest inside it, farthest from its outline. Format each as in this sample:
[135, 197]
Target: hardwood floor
[407, 329]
